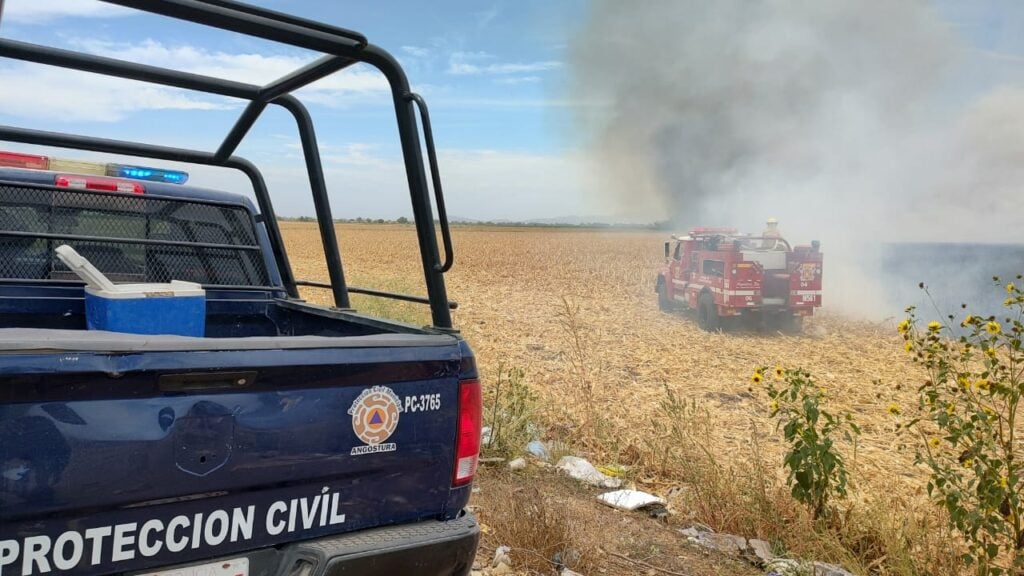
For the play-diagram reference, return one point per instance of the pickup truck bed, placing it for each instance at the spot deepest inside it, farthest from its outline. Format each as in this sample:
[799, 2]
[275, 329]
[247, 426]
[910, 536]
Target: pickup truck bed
[229, 313]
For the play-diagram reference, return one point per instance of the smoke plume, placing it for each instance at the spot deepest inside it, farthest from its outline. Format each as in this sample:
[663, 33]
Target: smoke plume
[841, 118]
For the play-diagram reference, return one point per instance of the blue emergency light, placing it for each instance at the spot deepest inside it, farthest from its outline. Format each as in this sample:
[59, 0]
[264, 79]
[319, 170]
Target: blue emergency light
[144, 173]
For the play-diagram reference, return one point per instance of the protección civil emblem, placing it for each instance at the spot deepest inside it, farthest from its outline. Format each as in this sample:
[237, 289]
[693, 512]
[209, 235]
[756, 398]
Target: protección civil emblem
[374, 418]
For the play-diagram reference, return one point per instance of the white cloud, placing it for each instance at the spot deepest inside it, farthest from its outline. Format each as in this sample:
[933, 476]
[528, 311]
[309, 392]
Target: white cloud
[416, 51]
[362, 182]
[336, 90]
[496, 185]
[45, 92]
[50, 93]
[349, 154]
[513, 80]
[1001, 56]
[473, 63]
[44, 12]
[478, 184]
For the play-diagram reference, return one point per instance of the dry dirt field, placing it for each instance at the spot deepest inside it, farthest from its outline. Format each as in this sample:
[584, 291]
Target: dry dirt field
[576, 310]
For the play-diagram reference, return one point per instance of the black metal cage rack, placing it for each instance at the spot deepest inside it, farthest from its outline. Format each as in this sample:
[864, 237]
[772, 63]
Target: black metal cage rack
[340, 48]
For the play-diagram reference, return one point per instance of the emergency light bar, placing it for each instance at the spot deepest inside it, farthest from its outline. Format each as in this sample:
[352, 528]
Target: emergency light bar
[35, 162]
[143, 173]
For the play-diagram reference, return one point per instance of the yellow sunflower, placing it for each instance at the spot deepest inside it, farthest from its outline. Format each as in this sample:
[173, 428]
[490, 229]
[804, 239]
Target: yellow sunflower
[904, 326]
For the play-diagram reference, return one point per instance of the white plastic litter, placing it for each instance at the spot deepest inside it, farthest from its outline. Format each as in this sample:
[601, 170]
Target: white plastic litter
[517, 464]
[539, 450]
[579, 469]
[485, 436]
[501, 556]
[630, 500]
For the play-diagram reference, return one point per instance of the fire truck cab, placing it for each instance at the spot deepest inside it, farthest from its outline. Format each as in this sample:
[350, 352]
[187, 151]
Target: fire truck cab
[721, 275]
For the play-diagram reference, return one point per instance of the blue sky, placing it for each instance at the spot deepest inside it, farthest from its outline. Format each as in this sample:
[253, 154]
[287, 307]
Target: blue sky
[494, 73]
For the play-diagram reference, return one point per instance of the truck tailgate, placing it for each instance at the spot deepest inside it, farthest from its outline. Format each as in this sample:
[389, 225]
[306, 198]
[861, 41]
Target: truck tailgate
[119, 461]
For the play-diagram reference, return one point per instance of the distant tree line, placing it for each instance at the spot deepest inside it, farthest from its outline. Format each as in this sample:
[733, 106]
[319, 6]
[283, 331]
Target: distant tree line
[399, 220]
[660, 225]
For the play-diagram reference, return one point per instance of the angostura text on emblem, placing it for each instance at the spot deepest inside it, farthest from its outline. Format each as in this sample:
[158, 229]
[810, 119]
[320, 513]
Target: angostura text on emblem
[374, 418]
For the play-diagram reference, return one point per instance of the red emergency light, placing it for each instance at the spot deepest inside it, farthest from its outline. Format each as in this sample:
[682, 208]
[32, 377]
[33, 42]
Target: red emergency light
[98, 183]
[30, 161]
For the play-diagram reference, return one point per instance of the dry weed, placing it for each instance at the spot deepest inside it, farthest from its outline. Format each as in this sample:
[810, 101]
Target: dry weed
[543, 531]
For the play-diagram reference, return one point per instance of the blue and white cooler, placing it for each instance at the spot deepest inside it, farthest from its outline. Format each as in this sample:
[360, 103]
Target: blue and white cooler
[175, 308]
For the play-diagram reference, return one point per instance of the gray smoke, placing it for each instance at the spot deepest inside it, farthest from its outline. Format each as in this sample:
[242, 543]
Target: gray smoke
[837, 117]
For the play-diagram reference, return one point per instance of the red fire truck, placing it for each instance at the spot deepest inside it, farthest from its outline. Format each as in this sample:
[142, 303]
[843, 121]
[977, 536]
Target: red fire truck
[722, 275]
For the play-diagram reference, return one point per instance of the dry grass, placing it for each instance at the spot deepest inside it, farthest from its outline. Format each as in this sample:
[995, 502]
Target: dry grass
[538, 515]
[577, 311]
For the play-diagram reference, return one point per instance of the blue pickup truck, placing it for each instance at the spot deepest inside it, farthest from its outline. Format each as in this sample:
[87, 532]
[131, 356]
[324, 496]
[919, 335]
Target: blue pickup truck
[289, 438]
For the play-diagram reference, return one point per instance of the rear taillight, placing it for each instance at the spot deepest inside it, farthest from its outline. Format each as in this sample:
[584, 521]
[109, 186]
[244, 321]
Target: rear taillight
[467, 441]
[99, 183]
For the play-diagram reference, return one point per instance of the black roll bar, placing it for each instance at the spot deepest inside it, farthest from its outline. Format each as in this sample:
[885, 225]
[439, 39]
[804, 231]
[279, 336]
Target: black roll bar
[435, 174]
[341, 48]
[452, 305]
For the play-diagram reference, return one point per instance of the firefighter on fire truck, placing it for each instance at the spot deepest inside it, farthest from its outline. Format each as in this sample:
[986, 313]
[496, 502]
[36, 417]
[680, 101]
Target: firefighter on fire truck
[771, 235]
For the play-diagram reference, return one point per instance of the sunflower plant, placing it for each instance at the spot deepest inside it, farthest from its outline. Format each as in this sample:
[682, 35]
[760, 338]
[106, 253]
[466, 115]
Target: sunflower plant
[817, 470]
[967, 424]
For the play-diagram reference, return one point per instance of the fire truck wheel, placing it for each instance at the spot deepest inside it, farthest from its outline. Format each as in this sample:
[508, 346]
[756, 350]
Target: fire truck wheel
[664, 302]
[707, 313]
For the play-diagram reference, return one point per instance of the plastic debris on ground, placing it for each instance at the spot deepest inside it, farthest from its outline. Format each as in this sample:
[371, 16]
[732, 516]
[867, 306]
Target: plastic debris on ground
[613, 470]
[579, 469]
[538, 449]
[517, 464]
[485, 436]
[501, 556]
[630, 500]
